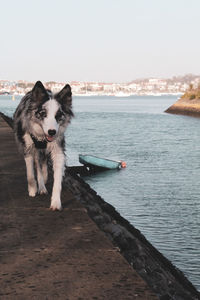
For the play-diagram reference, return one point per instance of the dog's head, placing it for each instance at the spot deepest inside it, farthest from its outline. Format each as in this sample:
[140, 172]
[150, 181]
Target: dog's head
[52, 113]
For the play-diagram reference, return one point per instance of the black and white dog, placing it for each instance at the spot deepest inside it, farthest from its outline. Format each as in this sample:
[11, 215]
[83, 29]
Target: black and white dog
[40, 121]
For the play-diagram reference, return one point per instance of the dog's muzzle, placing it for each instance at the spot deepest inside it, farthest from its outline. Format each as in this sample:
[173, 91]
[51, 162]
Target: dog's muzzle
[51, 135]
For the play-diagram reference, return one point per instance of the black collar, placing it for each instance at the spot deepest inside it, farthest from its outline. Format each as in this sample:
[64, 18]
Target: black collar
[39, 144]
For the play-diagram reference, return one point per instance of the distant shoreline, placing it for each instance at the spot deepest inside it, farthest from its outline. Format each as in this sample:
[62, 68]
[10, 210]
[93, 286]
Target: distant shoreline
[120, 95]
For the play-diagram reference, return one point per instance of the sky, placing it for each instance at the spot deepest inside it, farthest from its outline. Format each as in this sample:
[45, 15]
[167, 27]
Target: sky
[98, 40]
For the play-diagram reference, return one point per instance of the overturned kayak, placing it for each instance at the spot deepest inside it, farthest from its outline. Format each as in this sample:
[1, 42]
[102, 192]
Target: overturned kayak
[91, 160]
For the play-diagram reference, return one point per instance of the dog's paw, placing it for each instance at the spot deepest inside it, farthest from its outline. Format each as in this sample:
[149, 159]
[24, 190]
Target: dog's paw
[42, 191]
[32, 188]
[56, 205]
[32, 192]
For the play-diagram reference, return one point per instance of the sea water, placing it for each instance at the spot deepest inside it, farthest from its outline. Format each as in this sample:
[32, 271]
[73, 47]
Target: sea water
[159, 191]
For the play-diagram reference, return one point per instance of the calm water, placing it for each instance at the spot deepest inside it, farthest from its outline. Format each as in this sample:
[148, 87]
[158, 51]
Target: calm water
[159, 191]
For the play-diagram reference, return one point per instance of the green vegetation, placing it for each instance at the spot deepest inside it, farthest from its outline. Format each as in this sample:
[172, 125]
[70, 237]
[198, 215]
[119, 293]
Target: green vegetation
[192, 93]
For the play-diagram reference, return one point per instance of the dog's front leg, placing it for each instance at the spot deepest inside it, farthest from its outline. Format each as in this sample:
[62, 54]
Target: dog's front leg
[41, 185]
[32, 184]
[58, 167]
[45, 170]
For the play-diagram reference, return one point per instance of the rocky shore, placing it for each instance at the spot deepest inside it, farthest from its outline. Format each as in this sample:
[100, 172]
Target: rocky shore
[185, 107]
[163, 278]
[161, 275]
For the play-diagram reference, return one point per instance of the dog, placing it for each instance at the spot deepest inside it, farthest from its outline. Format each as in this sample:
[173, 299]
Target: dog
[40, 121]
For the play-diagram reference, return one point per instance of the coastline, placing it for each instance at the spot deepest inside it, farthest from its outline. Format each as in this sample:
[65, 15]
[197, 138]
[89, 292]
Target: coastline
[122, 95]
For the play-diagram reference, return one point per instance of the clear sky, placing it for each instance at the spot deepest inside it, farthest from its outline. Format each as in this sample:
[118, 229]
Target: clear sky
[98, 40]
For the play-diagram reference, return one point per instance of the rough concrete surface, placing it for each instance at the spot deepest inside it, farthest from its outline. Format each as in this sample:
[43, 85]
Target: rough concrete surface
[55, 255]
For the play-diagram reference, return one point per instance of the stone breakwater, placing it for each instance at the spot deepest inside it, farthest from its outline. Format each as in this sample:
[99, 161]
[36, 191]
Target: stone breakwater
[185, 107]
[161, 275]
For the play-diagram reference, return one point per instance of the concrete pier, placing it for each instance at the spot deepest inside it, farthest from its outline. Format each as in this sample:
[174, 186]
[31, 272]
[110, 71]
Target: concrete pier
[55, 255]
[87, 251]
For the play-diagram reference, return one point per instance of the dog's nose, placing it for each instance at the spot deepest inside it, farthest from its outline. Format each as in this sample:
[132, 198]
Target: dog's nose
[51, 132]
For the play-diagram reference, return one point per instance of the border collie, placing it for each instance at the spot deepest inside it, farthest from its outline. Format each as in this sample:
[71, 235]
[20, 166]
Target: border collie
[40, 121]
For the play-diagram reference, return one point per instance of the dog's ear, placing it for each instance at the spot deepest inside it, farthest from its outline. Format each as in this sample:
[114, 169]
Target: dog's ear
[39, 92]
[65, 95]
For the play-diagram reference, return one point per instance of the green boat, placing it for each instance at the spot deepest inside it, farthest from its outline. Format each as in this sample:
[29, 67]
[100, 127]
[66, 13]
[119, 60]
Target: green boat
[94, 161]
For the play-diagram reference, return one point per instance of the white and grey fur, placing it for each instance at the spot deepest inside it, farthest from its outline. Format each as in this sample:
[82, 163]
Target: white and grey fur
[40, 121]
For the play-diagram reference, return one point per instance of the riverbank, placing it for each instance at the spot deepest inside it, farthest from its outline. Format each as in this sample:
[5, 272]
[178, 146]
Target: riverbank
[185, 107]
[65, 253]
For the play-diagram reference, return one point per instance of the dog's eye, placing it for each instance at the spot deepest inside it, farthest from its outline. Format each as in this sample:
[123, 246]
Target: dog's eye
[59, 115]
[43, 113]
